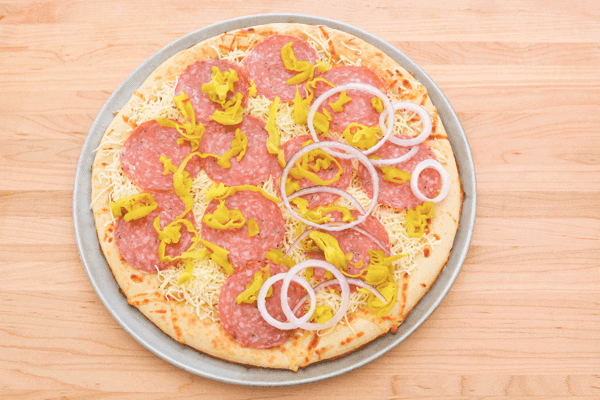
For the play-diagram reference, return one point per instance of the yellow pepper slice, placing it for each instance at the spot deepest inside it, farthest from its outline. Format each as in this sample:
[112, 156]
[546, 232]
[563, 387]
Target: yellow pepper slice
[416, 220]
[220, 85]
[221, 192]
[253, 228]
[338, 105]
[250, 295]
[136, 206]
[278, 257]
[224, 218]
[377, 104]
[232, 114]
[322, 314]
[252, 92]
[274, 140]
[219, 255]
[361, 136]
[380, 267]
[392, 174]
[190, 131]
[331, 249]
[239, 146]
[389, 290]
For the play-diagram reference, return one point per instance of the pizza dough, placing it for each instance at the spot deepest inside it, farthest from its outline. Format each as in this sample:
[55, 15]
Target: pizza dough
[253, 53]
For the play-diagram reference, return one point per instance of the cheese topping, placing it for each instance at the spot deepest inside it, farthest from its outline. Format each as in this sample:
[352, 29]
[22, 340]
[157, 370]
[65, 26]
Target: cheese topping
[198, 281]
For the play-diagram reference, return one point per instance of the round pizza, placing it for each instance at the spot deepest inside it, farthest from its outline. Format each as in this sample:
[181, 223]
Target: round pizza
[277, 195]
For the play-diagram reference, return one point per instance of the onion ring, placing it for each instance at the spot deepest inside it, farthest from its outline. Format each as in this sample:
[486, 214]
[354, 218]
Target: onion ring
[262, 296]
[353, 281]
[324, 145]
[425, 120]
[343, 282]
[353, 86]
[414, 180]
[328, 189]
[398, 160]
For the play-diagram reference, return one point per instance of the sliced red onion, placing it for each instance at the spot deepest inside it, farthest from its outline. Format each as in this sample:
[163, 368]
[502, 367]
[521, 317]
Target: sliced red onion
[353, 281]
[354, 86]
[328, 189]
[343, 282]
[373, 238]
[425, 119]
[414, 180]
[354, 153]
[262, 295]
[304, 234]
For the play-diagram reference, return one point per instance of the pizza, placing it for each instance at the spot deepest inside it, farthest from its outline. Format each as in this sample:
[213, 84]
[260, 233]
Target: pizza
[277, 195]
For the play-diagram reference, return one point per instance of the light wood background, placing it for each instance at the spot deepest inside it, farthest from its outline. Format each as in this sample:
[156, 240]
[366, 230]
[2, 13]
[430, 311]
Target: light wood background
[521, 321]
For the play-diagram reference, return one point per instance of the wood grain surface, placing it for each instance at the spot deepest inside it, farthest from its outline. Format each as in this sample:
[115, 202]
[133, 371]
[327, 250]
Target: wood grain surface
[522, 319]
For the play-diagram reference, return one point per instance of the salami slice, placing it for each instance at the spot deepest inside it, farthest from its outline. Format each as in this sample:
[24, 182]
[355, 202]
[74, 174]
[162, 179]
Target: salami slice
[138, 242]
[243, 321]
[191, 80]
[354, 242]
[243, 248]
[360, 109]
[265, 67]
[256, 165]
[292, 146]
[140, 155]
[400, 195]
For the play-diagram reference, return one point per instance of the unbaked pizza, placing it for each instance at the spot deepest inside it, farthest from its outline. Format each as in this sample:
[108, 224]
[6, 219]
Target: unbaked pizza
[277, 195]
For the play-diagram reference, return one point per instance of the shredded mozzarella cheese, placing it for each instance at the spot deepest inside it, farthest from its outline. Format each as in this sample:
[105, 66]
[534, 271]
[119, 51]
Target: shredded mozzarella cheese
[201, 293]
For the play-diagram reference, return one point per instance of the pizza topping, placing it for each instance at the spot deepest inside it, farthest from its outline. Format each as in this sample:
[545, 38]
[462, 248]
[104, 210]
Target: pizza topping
[233, 114]
[219, 255]
[224, 218]
[239, 145]
[256, 165]
[377, 306]
[241, 246]
[242, 321]
[421, 112]
[377, 104]
[360, 109]
[322, 314]
[249, 295]
[200, 73]
[190, 131]
[141, 155]
[278, 257]
[253, 228]
[252, 89]
[220, 84]
[338, 105]
[221, 192]
[331, 248]
[138, 241]
[136, 206]
[360, 136]
[414, 180]
[266, 67]
[380, 267]
[416, 220]
[352, 86]
[274, 141]
[353, 153]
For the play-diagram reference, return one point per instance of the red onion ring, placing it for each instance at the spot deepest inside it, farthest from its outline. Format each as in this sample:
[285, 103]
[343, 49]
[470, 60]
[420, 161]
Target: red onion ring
[414, 180]
[354, 86]
[343, 282]
[425, 120]
[262, 296]
[325, 145]
[354, 281]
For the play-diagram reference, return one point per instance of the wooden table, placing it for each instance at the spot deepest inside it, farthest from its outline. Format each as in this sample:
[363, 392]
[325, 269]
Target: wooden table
[523, 318]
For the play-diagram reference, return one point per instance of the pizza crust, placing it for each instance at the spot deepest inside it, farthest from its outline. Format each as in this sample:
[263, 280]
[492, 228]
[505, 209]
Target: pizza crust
[177, 319]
